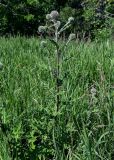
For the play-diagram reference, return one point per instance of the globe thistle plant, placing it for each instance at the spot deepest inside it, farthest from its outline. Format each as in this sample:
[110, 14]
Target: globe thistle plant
[53, 24]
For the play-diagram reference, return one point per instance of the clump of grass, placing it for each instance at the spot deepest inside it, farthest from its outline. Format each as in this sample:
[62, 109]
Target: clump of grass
[27, 101]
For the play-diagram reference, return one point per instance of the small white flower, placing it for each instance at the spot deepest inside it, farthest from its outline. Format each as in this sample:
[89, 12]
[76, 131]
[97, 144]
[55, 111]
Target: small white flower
[54, 15]
[71, 19]
[72, 36]
[42, 29]
[1, 66]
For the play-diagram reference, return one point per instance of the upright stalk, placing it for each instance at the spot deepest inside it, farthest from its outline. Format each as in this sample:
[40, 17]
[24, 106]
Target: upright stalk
[58, 72]
[53, 18]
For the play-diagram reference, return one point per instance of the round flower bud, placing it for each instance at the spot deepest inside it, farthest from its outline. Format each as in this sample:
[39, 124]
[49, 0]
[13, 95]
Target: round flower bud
[72, 36]
[57, 24]
[71, 19]
[54, 15]
[1, 66]
[42, 29]
[43, 44]
[48, 17]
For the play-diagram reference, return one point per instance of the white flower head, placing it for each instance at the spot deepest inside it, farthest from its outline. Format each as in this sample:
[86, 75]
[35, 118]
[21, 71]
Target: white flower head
[72, 36]
[49, 17]
[1, 66]
[70, 19]
[42, 29]
[54, 15]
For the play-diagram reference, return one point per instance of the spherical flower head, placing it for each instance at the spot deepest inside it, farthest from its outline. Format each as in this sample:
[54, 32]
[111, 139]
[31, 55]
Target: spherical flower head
[43, 44]
[48, 17]
[1, 66]
[71, 19]
[54, 15]
[42, 29]
[72, 36]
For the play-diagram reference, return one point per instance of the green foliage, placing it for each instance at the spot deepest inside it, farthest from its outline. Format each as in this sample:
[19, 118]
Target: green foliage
[102, 34]
[85, 124]
[65, 12]
[24, 17]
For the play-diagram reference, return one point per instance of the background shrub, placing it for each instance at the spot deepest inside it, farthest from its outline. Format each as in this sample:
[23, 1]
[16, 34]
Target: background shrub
[24, 17]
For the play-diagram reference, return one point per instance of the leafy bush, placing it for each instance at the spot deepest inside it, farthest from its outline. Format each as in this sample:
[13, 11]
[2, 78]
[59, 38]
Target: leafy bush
[24, 16]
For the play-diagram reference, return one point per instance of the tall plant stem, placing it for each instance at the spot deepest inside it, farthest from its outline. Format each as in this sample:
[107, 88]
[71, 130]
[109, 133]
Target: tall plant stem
[58, 72]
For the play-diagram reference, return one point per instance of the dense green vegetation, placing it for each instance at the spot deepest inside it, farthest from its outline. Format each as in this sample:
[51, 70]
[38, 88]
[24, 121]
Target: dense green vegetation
[24, 16]
[53, 105]
[83, 129]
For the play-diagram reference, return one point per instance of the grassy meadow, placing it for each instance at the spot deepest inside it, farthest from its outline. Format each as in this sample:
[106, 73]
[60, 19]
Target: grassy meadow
[30, 126]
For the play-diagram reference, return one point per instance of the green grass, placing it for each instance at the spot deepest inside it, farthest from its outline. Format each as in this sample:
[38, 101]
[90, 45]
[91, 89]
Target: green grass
[83, 129]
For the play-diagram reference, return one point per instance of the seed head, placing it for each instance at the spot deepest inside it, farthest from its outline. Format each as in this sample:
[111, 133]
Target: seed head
[72, 36]
[71, 19]
[48, 17]
[42, 29]
[1, 66]
[54, 15]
